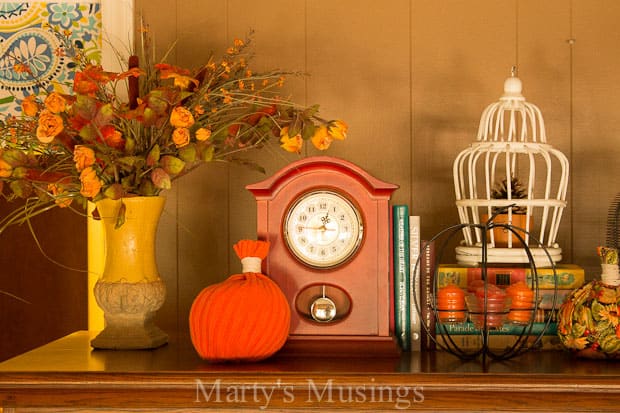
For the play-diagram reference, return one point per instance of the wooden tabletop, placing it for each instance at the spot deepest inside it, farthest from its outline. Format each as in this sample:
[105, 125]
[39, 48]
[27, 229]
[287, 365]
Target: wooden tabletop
[68, 374]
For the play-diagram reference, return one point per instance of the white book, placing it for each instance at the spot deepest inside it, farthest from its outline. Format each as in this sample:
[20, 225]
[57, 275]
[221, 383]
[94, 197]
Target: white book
[414, 288]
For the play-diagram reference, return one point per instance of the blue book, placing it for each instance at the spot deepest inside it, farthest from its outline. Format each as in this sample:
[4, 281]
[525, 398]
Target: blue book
[402, 304]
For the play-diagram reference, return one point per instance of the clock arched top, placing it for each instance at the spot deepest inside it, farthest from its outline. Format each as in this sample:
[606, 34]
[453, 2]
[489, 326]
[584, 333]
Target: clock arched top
[268, 188]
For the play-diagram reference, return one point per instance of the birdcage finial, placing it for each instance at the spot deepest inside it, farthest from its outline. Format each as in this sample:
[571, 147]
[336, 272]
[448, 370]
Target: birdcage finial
[513, 86]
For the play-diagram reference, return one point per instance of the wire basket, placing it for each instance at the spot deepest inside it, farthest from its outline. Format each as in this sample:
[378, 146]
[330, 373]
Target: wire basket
[486, 310]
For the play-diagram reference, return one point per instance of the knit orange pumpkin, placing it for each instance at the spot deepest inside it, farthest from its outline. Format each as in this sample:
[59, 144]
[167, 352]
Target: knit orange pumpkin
[245, 317]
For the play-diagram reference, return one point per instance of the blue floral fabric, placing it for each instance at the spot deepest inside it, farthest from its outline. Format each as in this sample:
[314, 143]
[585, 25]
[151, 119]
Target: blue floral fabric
[34, 34]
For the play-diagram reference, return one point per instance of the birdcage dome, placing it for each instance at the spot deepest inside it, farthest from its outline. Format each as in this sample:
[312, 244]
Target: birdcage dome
[512, 174]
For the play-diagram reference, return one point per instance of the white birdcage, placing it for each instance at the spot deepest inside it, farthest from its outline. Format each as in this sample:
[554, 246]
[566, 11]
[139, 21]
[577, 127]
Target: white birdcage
[511, 146]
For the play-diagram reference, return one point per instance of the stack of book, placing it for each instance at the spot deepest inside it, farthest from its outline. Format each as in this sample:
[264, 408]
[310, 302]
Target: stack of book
[412, 266]
[552, 290]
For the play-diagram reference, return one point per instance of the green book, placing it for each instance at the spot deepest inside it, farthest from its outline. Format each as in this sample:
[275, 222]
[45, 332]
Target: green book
[402, 303]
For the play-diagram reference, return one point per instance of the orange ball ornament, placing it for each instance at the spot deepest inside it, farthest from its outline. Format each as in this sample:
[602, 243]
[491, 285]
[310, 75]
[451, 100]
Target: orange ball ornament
[244, 318]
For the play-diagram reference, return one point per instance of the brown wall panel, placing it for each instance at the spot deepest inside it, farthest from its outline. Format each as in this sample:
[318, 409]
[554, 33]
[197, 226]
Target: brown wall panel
[462, 53]
[596, 98]
[544, 60]
[52, 280]
[284, 49]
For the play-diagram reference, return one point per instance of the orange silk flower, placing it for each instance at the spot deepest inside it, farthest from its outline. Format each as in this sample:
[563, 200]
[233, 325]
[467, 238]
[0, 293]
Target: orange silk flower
[321, 140]
[180, 137]
[83, 156]
[181, 117]
[203, 134]
[289, 144]
[55, 103]
[91, 185]
[30, 106]
[50, 125]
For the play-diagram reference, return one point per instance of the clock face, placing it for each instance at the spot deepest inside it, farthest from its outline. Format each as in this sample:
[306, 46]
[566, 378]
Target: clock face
[323, 229]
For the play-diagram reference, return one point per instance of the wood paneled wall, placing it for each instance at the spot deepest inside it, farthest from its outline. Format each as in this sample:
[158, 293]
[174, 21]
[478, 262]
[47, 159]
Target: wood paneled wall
[50, 282]
[411, 78]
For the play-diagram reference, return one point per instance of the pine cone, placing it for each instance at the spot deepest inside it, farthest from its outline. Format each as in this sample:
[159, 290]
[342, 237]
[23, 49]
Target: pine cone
[517, 191]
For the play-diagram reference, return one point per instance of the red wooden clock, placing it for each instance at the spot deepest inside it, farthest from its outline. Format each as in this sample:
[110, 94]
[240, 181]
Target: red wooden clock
[328, 224]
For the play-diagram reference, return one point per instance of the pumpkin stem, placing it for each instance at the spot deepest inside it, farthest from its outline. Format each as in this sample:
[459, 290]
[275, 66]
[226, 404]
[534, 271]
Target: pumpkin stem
[251, 254]
[251, 248]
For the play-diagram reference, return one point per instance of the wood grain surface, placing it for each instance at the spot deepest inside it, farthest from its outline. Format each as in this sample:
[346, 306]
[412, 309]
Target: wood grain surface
[67, 374]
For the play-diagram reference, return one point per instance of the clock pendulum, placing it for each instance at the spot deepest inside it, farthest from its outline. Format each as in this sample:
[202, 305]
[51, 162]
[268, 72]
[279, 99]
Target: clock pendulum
[323, 309]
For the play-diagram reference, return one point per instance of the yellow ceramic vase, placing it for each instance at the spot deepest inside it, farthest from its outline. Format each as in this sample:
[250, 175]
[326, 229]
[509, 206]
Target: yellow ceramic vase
[130, 289]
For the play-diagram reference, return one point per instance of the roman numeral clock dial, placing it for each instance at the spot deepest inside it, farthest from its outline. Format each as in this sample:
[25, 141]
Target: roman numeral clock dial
[323, 229]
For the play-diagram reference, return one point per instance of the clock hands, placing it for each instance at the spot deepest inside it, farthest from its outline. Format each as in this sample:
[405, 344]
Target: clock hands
[325, 220]
[319, 228]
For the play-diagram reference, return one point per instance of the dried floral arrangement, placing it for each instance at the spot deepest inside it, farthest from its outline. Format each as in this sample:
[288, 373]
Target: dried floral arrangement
[116, 135]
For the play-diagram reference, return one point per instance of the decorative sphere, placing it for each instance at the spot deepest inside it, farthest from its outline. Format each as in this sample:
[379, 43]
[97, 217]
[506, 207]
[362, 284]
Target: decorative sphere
[513, 86]
[588, 321]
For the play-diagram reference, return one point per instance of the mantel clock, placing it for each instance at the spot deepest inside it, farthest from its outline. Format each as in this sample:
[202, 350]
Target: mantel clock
[327, 221]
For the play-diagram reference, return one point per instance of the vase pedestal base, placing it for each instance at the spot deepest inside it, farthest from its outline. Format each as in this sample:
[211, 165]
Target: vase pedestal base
[130, 336]
[129, 309]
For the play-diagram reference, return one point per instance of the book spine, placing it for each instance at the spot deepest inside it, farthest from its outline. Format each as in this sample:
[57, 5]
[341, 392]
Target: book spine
[414, 274]
[427, 279]
[569, 277]
[507, 329]
[547, 296]
[392, 276]
[402, 324]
